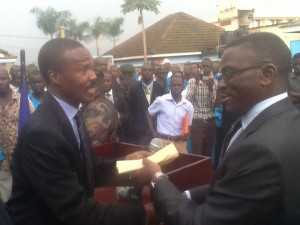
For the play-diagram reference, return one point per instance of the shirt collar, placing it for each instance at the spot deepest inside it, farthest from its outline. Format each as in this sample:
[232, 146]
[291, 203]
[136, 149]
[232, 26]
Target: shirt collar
[145, 85]
[110, 92]
[70, 111]
[259, 107]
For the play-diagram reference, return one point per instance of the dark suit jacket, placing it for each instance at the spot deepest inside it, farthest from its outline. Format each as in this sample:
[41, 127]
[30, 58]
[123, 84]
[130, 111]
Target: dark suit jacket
[138, 108]
[257, 182]
[122, 106]
[50, 183]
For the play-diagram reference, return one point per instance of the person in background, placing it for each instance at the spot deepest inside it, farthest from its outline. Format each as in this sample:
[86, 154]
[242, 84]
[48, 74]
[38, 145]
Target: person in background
[13, 74]
[142, 95]
[101, 64]
[54, 167]
[156, 66]
[294, 81]
[127, 79]
[9, 120]
[119, 101]
[202, 93]
[171, 110]
[37, 84]
[115, 71]
[257, 181]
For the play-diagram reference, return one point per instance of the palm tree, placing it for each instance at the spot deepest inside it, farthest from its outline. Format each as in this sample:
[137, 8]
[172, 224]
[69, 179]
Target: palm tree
[114, 28]
[98, 28]
[50, 20]
[76, 30]
[141, 5]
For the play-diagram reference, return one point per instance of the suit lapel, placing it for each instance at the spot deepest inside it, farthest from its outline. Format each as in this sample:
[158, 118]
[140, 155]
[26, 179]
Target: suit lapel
[264, 116]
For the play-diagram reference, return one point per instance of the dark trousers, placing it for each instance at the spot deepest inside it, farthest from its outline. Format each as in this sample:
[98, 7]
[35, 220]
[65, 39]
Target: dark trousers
[202, 134]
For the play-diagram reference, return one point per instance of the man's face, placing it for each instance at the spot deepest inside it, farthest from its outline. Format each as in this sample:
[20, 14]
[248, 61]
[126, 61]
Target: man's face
[37, 83]
[176, 85]
[107, 82]
[76, 80]
[296, 66]
[4, 82]
[147, 73]
[186, 71]
[242, 90]
[156, 67]
[115, 71]
[206, 67]
[175, 68]
[100, 64]
[194, 70]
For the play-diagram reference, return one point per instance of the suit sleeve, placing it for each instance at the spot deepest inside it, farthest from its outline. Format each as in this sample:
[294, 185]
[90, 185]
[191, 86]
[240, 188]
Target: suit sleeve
[47, 167]
[246, 190]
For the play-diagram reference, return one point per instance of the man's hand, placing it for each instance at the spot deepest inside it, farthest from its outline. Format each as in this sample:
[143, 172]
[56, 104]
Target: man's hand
[138, 155]
[145, 174]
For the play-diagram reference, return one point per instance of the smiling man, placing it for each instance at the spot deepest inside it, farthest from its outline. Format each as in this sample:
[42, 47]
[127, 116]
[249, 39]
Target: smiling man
[54, 168]
[257, 181]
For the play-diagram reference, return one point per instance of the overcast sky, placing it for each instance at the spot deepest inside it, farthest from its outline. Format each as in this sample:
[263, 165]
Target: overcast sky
[18, 27]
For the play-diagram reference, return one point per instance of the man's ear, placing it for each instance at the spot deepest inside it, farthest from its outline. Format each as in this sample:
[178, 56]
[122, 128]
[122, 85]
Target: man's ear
[54, 77]
[268, 74]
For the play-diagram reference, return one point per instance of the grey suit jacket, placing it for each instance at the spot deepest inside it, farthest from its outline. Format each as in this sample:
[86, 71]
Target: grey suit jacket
[257, 182]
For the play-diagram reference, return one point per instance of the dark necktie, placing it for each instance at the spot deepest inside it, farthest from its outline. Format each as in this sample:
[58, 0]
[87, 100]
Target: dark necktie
[234, 128]
[83, 148]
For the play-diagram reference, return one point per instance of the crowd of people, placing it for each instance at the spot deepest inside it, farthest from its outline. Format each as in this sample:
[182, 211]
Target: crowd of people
[48, 173]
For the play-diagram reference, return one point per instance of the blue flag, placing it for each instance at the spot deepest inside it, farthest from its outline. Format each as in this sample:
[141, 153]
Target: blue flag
[24, 112]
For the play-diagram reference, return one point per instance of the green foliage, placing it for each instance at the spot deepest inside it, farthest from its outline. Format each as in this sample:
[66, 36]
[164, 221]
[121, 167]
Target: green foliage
[140, 5]
[77, 31]
[50, 20]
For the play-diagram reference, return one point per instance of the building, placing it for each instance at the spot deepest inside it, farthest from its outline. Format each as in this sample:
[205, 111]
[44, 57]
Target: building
[178, 37]
[6, 59]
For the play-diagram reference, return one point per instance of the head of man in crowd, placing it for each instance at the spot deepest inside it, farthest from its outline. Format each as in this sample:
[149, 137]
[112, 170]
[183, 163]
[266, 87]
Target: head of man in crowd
[215, 68]
[253, 68]
[296, 64]
[167, 65]
[147, 73]
[115, 71]
[156, 66]
[206, 66]
[100, 63]
[108, 82]
[187, 70]
[4, 82]
[175, 68]
[18, 79]
[67, 68]
[37, 82]
[194, 70]
[127, 72]
[13, 73]
[176, 86]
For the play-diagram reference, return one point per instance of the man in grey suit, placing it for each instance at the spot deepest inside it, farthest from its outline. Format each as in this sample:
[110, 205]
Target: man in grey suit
[258, 179]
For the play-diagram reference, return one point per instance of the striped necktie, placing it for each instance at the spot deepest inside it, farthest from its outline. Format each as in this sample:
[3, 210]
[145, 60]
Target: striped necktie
[83, 148]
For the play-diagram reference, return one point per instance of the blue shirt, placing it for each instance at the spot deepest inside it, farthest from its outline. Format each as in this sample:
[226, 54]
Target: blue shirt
[170, 116]
[70, 113]
[34, 101]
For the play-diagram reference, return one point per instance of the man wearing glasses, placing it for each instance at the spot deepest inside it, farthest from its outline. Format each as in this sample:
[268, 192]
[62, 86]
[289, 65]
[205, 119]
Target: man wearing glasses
[258, 179]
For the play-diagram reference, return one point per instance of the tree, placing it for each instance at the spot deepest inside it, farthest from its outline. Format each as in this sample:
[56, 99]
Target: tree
[114, 28]
[75, 30]
[98, 28]
[50, 20]
[141, 5]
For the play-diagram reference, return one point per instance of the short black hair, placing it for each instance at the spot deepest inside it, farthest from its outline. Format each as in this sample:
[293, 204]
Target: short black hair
[51, 53]
[296, 56]
[267, 47]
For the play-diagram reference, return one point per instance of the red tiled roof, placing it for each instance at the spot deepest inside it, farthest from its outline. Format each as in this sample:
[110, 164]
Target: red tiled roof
[7, 55]
[176, 33]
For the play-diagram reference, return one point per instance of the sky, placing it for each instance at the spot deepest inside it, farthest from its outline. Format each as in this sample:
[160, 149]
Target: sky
[18, 28]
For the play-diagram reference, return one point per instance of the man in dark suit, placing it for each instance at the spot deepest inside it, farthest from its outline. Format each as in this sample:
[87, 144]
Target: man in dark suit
[54, 168]
[258, 179]
[141, 95]
[120, 103]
